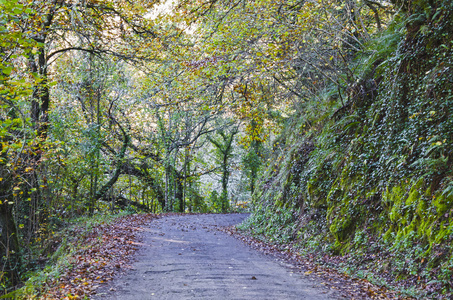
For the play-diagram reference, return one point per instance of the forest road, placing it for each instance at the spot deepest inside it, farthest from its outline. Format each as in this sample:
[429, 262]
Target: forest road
[185, 257]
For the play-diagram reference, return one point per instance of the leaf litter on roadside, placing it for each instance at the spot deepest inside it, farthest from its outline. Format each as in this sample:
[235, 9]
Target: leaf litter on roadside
[106, 250]
[346, 286]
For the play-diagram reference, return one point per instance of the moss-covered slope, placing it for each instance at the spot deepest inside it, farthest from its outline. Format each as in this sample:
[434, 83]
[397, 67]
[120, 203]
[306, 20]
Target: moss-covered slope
[373, 178]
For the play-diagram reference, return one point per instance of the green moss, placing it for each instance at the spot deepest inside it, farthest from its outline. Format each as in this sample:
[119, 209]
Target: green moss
[425, 227]
[394, 200]
[444, 232]
[388, 235]
[342, 221]
[414, 193]
[422, 207]
[442, 203]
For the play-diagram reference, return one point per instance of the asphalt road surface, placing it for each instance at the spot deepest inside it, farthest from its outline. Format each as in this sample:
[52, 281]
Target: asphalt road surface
[184, 257]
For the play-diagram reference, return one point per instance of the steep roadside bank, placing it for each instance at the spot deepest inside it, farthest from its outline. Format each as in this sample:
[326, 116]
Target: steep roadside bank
[369, 180]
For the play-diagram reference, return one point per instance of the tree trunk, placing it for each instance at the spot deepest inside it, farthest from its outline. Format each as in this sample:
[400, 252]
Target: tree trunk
[10, 247]
[179, 193]
[225, 178]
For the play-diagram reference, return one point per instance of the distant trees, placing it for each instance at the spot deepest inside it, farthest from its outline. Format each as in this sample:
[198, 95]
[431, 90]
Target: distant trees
[223, 144]
[90, 118]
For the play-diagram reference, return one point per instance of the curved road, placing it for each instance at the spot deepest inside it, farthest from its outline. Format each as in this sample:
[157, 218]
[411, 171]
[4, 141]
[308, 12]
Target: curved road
[184, 257]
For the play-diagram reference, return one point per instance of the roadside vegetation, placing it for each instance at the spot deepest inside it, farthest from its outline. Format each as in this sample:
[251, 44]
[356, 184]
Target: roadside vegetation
[365, 176]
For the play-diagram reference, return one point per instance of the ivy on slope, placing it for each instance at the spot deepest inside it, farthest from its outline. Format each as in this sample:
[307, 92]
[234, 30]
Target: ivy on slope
[372, 180]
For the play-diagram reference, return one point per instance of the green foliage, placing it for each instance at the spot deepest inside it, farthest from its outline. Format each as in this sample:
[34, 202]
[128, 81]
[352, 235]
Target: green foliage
[275, 224]
[379, 169]
[215, 201]
[17, 138]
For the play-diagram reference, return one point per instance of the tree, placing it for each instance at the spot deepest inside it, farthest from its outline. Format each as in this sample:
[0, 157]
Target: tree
[224, 151]
[99, 28]
[93, 92]
[34, 35]
[15, 136]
